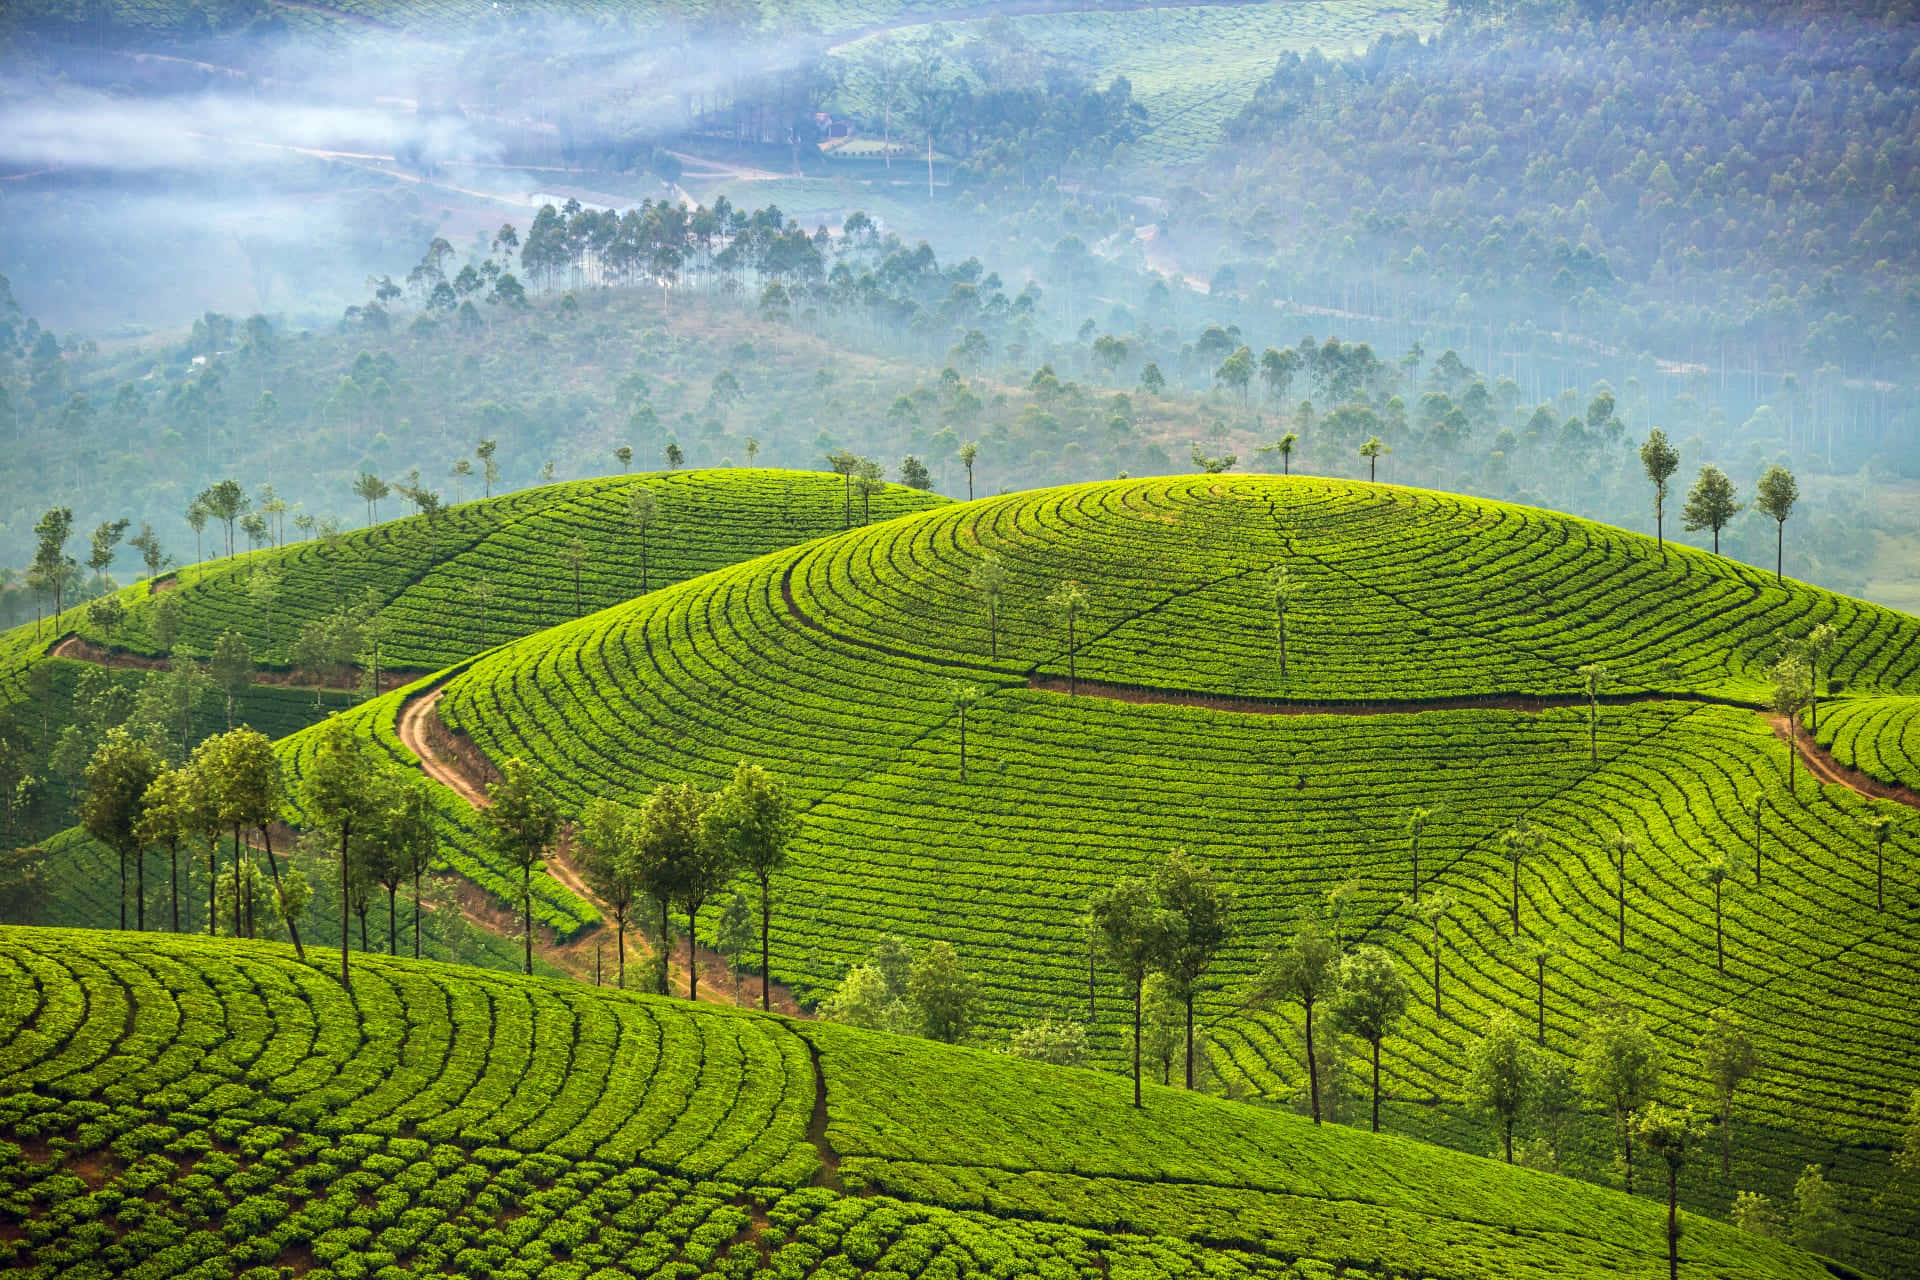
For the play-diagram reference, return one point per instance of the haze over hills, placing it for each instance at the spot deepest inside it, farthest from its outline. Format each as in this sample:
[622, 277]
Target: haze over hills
[1272, 638]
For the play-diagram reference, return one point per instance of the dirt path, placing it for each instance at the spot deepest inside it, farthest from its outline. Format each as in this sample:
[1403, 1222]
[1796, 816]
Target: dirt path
[414, 728]
[76, 648]
[1821, 764]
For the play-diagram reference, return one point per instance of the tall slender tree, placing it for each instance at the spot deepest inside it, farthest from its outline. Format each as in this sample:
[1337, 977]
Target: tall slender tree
[988, 578]
[1433, 912]
[1792, 688]
[644, 510]
[670, 834]
[1727, 1053]
[1540, 951]
[969, 454]
[1197, 910]
[1130, 928]
[753, 820]
[522, 820]
[1620, 1066]
[1710, 504]
[1371, 451]
[1283, 589]
[1714, 871]
[252, 794]
[1069, 600]
[1502, 1076]
[1595, 676]
[1620, 851]
[1307, 971]
[1661, 460]
[1674, 1136]
[122, 769]
[1774, 498]
[605, 842]
[339, 793]
[1519, 842]
[1417, 822]
[1880, 827]
[1373, 997]
[166, 819]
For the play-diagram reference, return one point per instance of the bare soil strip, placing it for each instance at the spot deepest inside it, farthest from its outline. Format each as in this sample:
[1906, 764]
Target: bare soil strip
[1821, 764]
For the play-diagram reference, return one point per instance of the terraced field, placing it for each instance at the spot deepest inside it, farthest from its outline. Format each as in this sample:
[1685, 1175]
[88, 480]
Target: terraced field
[1451, 627]
[174, 1105]
[1878, 736]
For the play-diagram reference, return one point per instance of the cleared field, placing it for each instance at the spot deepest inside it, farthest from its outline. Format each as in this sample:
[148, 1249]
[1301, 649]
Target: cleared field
[172, 1105]
[830, 664]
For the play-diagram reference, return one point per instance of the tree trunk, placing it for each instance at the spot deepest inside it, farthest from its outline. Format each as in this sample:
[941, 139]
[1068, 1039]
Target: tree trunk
[1313, 1066]
[662, 947]
[1673, 1223]
[1507, 1136]
[1283, 648]
[416, 912]
[140, 889]
[766, 915]
[393, 932]
[526, 917]
[1779, 552]
[273, 865]
[1376, 1085]
[1139, 986]
[620, 959]
[236, 880]
[1189, 1038]
[693, 954]
[213, 887]
[1516, 897]
[346, 831]
[173, 877]
[361, 912]
[123, 889]
[1541, 991]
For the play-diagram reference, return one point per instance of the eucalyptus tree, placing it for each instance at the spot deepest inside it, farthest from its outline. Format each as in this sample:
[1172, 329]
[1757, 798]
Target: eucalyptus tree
[575, 554]
[869, 478]
[1620, 850]
[1792, 694]
[1595, 676]
[1714, 871]
[752, 820]
[969, 453]
[988, 578]
[1620, 1067]
[1673, 1135]
[1283, 589]
[843, 463]
[339, 790]
[1727, 1054]
[1540, 950]
[1815, 648]
[606, 854]
[489, 469]
[123, 767]
[1417, 822]
[1069, 600]
[623, 455]
[1130, 927]
[461, 469]
[1284, 446]
[414, 836]
[964, 696]
[1371, 451]
[1197, 911]
[1710, 504]
[370, 489]
[643, 509]
[251, 792]
[1433, 913]
[1774, 498]
[1880, 827]
[197, 521]
[1519, 842]
[1502, 1077]
[522, 821]
[1372, 998]
[668, 853]
[226, 502]
[166, 819]
[1307, 971]
[1661, 460]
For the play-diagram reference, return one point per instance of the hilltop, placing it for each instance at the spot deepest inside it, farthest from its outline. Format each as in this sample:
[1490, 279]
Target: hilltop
[1433, 643]
[173, 1102]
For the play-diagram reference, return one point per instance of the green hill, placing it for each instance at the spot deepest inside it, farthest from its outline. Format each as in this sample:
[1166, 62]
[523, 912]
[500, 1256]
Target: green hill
[1878, 736]
[1432, 653]
[176, 1106]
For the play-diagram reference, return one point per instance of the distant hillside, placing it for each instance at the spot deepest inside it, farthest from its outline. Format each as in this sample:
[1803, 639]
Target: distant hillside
[1433, 643]
[172, 1104]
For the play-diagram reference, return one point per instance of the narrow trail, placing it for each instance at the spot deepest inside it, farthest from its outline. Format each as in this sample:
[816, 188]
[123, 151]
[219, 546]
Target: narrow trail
[414, 726]
[1821, 764]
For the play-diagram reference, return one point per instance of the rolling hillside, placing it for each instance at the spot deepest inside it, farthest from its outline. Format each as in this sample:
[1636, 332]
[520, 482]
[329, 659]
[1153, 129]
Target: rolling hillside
[1432, 648]
[170, 1105]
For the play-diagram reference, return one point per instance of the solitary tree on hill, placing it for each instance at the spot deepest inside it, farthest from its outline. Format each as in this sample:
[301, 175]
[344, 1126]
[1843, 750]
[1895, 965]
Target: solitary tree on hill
[1372, 998]
[969, 452]
[1674, 1136]
[1284, 447]
[122, 769]
[1620, 1066]
[1417, 820]
[753, 820]
[1661, 460]
[1284, 589]
[1501, 1075]
[1068, 600]
[1306, 970]
[489, 469]
[1710, 504]
[1727, 1054]
[1540, 950]
[1714, 872]
[674, 455]
[1519, 842]
[1197, 928]
[522, 822]
[964, 695]
[843, 463]
[576, 556]
[1595, 675]
[988, 578]
[623, 455]
[1131, 928]
[1774, 498]
[1371, 450]
[668, 851]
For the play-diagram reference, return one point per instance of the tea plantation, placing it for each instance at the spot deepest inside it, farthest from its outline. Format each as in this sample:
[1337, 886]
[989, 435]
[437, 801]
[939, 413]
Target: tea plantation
[175, 1106]
[1432, 649]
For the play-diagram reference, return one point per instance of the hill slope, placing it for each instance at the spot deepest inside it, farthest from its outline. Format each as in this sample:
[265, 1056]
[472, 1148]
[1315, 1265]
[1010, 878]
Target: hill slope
[831, 664]
[167, 1103]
